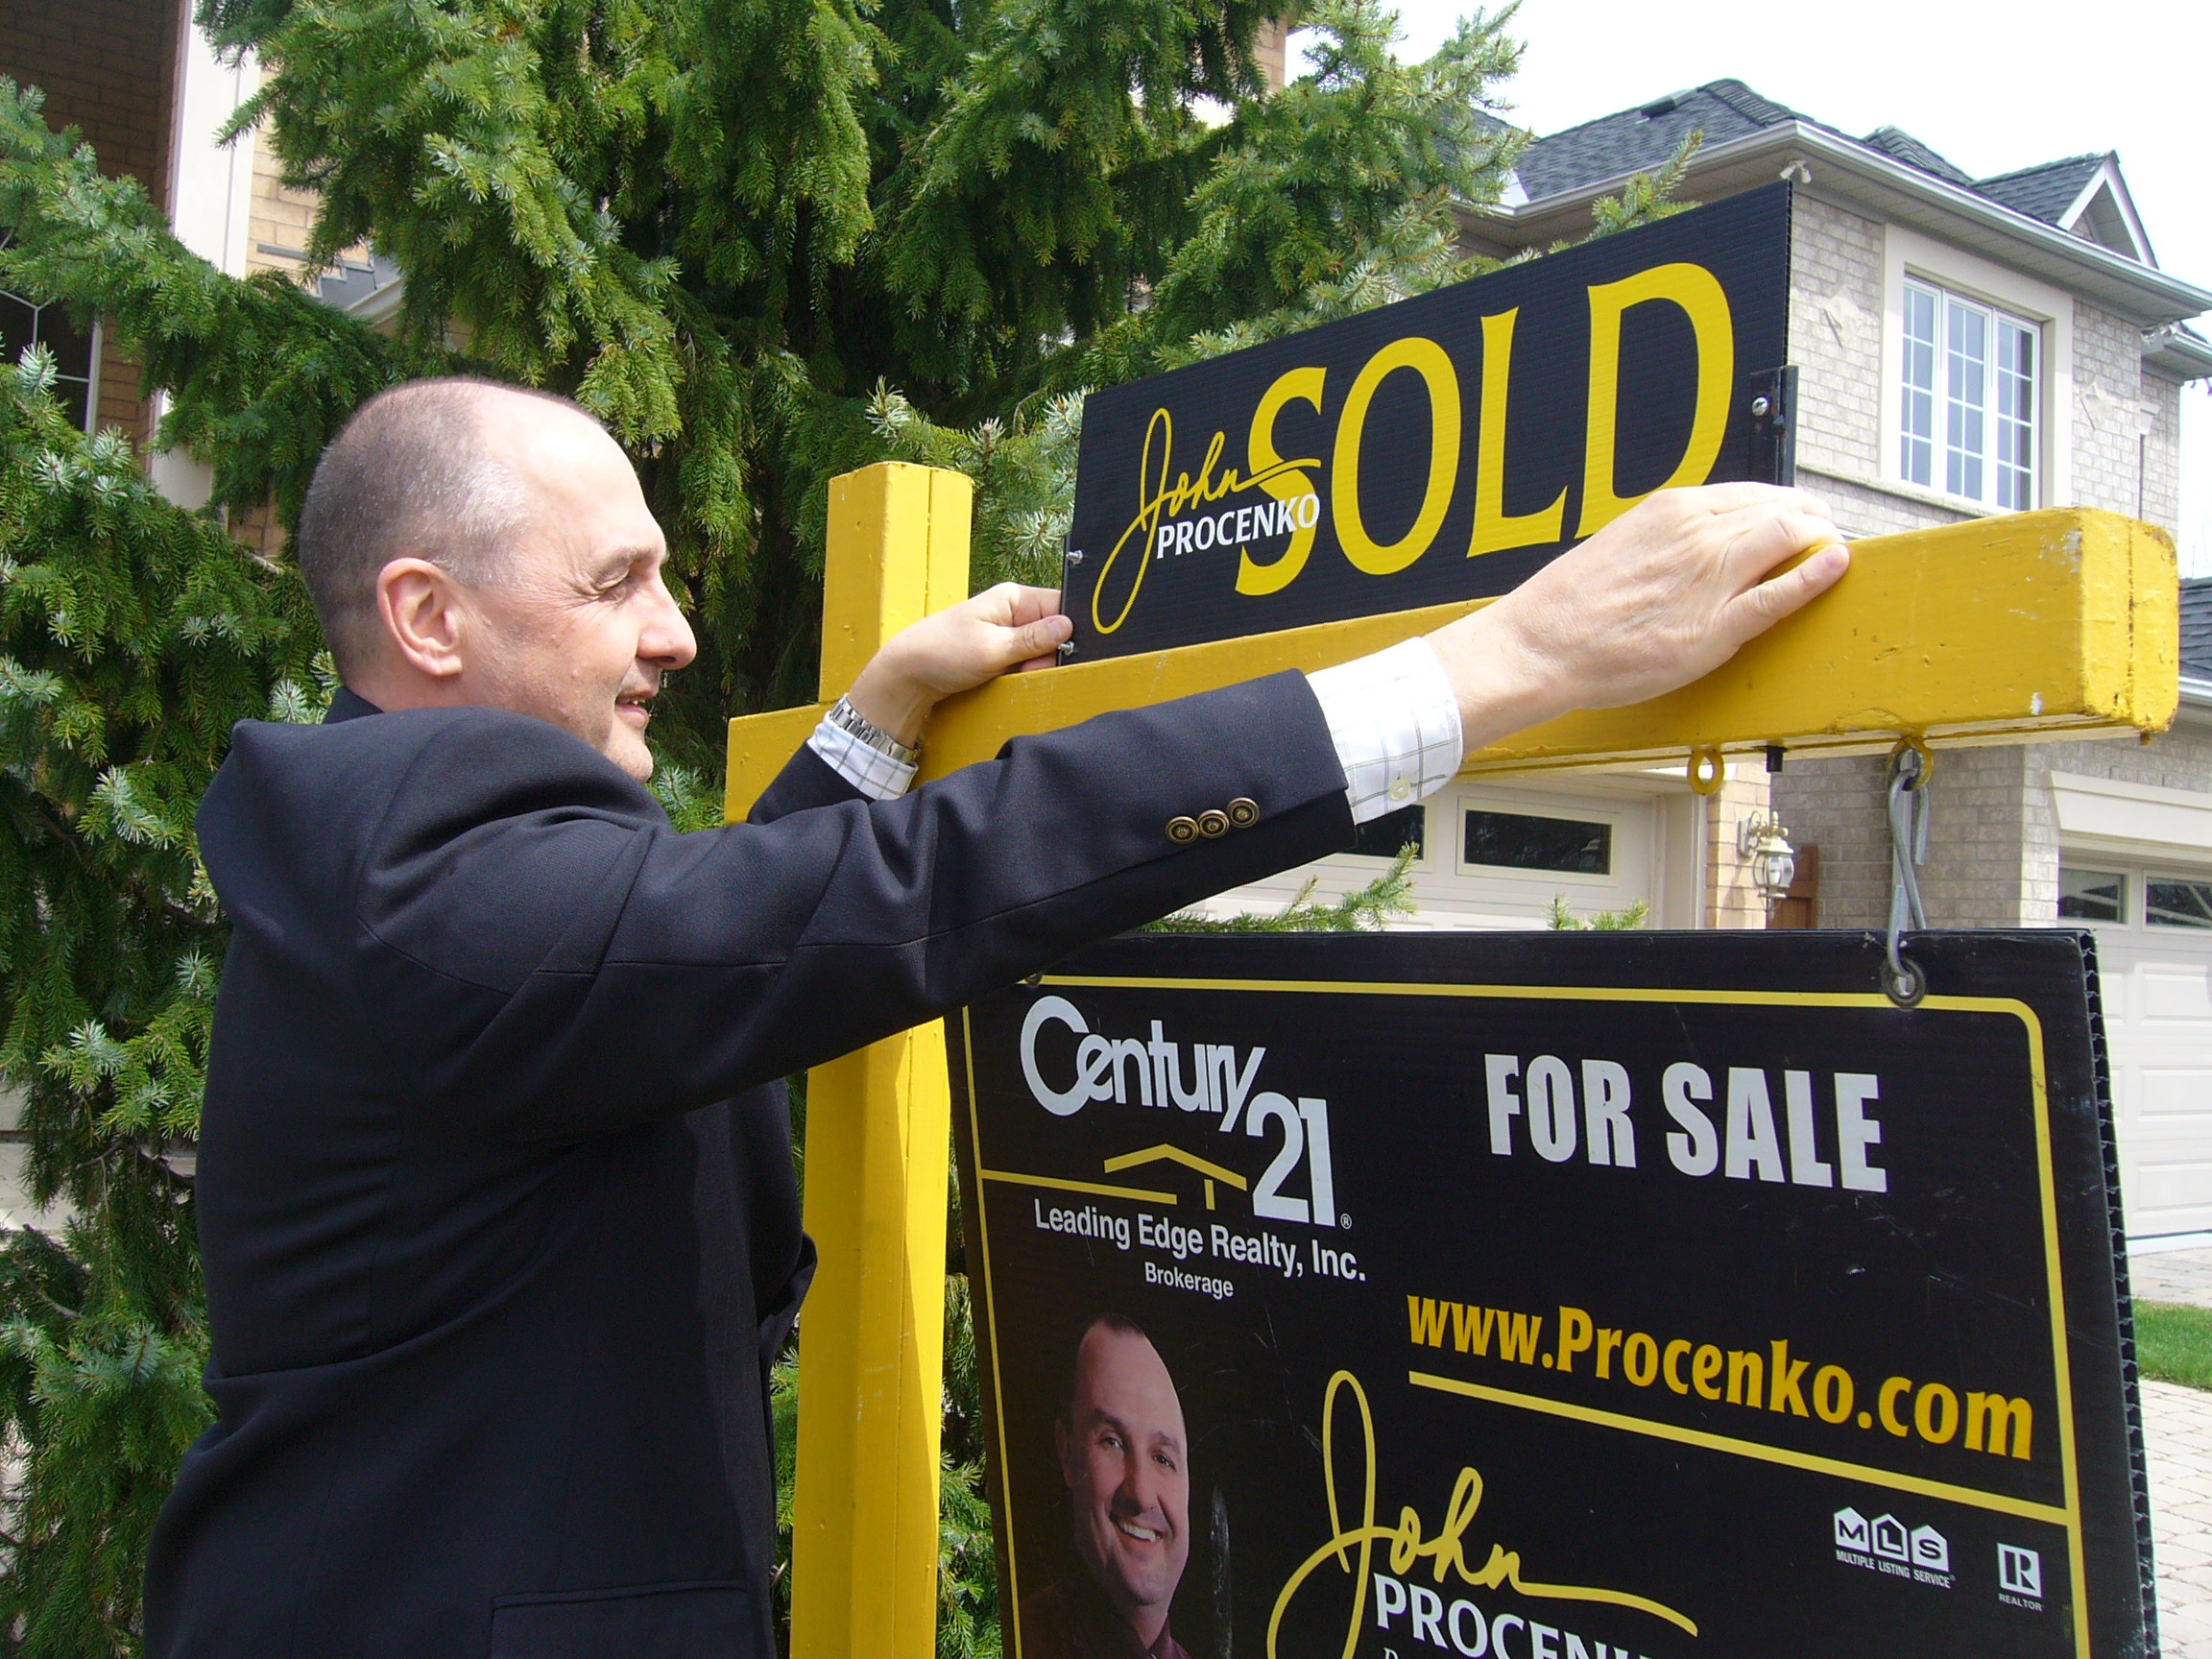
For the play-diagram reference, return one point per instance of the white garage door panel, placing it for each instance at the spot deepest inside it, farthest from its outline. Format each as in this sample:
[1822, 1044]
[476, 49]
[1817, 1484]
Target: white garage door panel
[2158, 984]
[2175, 1186]
[2175, 1090]
[2175, 993]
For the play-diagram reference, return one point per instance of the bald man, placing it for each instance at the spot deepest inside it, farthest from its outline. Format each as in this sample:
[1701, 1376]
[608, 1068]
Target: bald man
[1125, 1454]
[494, 1195]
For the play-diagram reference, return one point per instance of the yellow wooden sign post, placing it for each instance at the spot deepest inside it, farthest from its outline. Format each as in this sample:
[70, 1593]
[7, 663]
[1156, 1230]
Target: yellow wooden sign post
[2041, 625]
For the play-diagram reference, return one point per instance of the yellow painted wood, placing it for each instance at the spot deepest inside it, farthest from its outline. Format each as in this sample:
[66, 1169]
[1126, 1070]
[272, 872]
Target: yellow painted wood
[879, 1126]
[760, 745]
[893, 558]
[2036, 626]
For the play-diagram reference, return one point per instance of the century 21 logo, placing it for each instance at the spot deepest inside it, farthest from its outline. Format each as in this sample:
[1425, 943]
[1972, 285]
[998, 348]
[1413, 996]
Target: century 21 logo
[1177, 511]
[1152, 1073]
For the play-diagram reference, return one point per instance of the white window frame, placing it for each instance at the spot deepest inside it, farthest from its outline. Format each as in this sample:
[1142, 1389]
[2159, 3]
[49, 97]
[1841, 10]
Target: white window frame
[1912, 260]
[1962, 443]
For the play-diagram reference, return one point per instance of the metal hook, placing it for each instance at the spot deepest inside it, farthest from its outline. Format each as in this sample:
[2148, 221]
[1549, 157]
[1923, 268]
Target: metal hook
[1909, 765]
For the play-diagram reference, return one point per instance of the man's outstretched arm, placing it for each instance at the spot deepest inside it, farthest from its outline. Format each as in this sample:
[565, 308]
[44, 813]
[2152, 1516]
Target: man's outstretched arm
[642, 973]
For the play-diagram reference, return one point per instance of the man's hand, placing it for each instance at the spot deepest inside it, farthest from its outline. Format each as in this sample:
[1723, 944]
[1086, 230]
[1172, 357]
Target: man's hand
[1662, 596]
[1004, 627]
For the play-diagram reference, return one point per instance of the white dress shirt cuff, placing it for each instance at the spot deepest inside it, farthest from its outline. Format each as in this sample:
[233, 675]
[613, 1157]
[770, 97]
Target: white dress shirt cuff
[871, 771]
[1395, 724]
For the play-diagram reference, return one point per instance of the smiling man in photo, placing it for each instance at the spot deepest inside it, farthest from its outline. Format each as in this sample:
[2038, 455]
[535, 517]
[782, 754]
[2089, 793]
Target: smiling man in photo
[1124, 1453]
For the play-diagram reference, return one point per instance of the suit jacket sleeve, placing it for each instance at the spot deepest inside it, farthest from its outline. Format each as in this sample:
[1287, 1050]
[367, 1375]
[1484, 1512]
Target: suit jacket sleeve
[548, 961]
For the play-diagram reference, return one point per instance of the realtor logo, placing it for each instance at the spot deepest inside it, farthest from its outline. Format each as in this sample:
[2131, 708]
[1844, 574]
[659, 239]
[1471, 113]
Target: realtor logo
[2019, 1571]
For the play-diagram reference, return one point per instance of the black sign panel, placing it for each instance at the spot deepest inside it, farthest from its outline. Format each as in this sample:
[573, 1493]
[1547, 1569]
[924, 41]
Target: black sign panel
[1553, 1297]
[1440, 448]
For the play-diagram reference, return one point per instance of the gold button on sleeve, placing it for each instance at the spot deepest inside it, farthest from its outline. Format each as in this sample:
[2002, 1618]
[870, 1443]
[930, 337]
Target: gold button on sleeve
[1243, 812]
[1213, 821]
[1182, 830]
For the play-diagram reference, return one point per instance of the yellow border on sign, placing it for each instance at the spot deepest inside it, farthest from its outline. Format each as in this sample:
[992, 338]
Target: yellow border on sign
[2070, 1517]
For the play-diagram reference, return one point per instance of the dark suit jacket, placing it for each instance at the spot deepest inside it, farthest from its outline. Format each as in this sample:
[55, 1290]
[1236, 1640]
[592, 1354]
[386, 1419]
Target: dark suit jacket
[494, 1193]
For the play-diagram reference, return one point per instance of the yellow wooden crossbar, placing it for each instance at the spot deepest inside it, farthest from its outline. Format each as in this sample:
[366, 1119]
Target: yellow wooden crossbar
[2040, 625]
[2043, 625]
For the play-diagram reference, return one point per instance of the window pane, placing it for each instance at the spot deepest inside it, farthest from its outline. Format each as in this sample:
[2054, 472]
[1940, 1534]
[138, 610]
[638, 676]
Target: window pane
[1521, 841]
[1916, 421]
[1965, 398]
[2091, 895]
[2172, 904]
[2015, 446]
[24, 325]
[1384, 837]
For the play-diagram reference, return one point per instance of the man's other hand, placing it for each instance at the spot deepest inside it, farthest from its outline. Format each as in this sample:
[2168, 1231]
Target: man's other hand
[1002, 628]
[1661, 596]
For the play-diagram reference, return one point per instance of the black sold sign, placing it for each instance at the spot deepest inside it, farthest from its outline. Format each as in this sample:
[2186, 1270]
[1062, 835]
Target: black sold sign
[1441, 448]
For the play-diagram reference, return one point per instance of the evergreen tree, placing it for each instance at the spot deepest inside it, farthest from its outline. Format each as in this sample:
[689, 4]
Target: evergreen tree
[766, 241]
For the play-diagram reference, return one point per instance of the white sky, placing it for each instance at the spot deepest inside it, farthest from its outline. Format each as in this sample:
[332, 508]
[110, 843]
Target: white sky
[1992, 88]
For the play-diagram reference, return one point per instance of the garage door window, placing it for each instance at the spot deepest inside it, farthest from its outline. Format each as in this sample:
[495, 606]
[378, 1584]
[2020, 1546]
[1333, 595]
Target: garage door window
[2171, 902]
[2091, 895]
[1523, 841]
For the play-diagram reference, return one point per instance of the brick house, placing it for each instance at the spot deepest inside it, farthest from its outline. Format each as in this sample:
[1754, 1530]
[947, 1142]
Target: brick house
[1965, 346]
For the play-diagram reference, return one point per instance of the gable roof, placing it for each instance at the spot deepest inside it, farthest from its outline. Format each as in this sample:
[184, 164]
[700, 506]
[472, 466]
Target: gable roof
[2071, 194]
[2196, 627]
[2045, 192]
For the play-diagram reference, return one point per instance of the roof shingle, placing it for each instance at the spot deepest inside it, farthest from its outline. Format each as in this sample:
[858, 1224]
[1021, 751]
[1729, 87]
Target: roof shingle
[2043, 192]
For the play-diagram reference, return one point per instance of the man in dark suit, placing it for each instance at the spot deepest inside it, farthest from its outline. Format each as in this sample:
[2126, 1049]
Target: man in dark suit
[495, 1196]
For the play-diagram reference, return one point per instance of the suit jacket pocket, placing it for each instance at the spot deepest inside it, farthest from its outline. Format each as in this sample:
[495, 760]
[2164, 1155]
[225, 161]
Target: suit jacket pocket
[710, 1619]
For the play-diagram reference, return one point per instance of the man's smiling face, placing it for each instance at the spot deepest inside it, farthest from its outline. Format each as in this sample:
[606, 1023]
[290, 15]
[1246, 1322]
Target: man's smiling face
[1124, 1451]
[579, 626]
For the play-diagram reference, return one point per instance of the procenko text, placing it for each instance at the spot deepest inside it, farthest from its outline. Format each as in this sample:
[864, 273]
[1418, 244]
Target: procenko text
[1758, 1377]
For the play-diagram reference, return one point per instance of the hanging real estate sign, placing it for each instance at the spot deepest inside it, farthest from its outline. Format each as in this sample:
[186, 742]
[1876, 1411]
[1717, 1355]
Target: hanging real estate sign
[1553, 1297]
[1440, 448]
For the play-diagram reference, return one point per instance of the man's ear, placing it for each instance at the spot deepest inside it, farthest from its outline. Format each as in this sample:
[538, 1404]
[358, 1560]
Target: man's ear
[423, 614]
[1061, 1437]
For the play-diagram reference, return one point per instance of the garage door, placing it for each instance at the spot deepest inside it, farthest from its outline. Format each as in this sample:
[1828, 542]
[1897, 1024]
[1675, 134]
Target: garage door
[2154, 930]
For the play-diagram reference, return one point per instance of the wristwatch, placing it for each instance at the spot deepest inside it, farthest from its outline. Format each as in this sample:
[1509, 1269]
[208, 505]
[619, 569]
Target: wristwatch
[849, 719]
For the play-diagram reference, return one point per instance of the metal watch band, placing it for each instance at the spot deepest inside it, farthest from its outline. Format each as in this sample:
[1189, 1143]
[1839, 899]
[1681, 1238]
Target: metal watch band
[847, 718]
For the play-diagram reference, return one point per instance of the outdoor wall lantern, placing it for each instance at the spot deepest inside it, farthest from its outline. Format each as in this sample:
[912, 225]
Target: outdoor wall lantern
[1764, 843]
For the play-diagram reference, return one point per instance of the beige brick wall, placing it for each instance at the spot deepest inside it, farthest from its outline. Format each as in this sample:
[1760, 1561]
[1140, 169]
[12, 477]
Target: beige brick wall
[1979, 863]
[2162, 480]
[282, 219]
[2110, 447]
[1838, 807]
[1835, 337]
[1861, 509]
[1731, 900]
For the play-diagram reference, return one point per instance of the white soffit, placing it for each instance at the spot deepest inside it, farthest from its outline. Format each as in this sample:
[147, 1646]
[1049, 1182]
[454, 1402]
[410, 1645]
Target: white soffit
[2137, 820]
